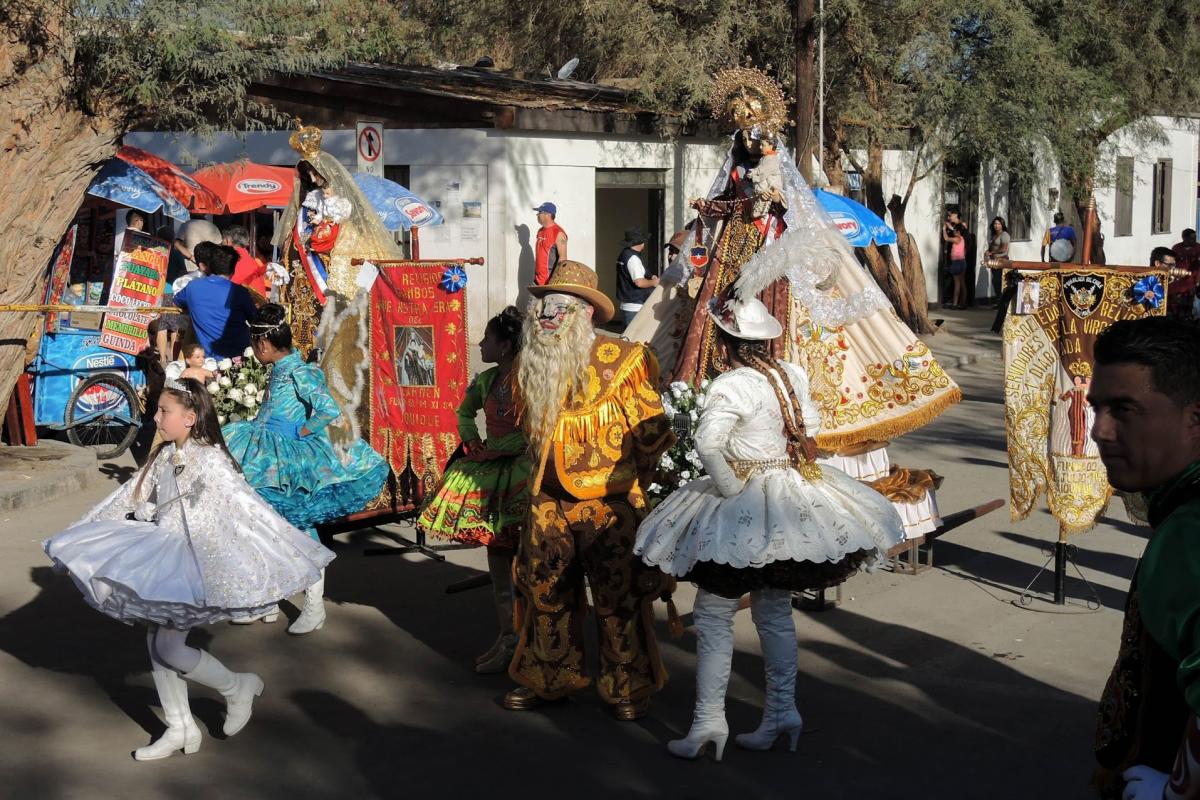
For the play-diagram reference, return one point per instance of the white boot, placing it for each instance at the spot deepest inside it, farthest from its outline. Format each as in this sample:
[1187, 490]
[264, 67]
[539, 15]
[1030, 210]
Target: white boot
[772, 613]
[713, 617]
[500, 656]
[270, 615]
[238, 688]
[312, 616]
[182, 733]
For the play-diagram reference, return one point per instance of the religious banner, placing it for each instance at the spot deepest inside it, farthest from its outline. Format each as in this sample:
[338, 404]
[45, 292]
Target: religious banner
[1048, 346]
[418, 345]
[137, 283]
[60, 274]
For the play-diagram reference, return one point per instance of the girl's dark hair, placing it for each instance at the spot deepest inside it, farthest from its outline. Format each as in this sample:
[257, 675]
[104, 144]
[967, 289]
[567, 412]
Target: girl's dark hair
[507, 327]
[270, 323]
[1003, 224]
[207, 430]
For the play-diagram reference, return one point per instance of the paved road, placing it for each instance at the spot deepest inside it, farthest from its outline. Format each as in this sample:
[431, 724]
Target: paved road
[933, 686]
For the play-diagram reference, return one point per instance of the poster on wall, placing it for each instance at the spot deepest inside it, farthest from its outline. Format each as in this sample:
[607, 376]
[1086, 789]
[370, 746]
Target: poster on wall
[137, 283]
[418, 342]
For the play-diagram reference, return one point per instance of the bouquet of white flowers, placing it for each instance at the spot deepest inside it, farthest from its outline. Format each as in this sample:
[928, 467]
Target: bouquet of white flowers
[238, 392]
[681, 464]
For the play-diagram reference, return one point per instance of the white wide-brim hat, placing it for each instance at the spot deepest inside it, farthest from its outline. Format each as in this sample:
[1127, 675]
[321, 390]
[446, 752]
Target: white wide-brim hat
[745, 319]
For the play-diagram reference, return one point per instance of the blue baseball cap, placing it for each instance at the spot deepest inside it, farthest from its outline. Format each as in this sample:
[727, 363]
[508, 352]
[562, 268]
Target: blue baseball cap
[549, 208]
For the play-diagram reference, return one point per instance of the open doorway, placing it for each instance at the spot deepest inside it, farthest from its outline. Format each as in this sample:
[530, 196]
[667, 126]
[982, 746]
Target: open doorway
[628, 198]
[960, 193]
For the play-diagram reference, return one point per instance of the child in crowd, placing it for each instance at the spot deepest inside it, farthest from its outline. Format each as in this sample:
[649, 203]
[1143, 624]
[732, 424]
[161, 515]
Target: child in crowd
[194, 364]
[484, 496]
[187, 543]
[286, 454]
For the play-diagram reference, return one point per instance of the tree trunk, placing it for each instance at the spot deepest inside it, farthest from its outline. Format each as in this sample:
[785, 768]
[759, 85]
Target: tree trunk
[911, 265]
[49, 154]
[887, 274]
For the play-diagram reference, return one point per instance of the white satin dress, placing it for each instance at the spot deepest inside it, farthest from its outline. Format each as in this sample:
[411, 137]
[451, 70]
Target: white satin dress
[776, 514]
[204, 547]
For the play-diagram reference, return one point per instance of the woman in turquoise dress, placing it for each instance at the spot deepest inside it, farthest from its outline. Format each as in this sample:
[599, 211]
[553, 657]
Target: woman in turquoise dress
[285, 452]
[484, 496]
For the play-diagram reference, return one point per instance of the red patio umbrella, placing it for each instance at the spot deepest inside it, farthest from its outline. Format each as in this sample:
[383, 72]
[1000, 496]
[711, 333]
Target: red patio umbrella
[246, 186]
[196, 198]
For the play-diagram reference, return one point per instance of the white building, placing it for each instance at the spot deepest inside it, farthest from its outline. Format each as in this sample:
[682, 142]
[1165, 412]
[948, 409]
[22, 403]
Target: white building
[487, 148]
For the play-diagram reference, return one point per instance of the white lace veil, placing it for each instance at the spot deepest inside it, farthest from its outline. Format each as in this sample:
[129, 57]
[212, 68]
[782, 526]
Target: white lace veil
[810, 253]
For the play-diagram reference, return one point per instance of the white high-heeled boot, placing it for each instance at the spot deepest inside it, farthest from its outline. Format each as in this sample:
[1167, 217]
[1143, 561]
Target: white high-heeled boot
[771, 610]
[713, 618]
[312, 616]
[238, 688]
[182, 732]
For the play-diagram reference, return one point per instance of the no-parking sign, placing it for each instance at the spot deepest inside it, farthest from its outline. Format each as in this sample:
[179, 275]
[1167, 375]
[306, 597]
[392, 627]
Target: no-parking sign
[369, 145]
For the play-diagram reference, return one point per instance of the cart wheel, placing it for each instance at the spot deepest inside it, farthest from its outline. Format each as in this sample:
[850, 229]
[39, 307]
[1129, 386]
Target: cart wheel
[113, 429]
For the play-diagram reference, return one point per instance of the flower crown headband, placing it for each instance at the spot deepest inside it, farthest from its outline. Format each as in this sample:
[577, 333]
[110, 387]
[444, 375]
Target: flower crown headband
[258, 329]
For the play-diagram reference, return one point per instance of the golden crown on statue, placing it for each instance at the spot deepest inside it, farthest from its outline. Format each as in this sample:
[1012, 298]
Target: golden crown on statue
[748, 98]
[306, 141]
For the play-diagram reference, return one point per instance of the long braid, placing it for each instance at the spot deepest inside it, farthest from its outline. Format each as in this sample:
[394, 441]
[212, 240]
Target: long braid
[800, 446]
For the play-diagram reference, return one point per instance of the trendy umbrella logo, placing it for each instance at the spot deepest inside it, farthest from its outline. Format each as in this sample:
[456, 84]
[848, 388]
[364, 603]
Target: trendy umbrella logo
[258, 186]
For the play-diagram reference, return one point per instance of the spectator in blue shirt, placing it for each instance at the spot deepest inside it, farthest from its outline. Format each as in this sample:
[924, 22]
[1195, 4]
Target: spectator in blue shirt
[1058, 231]
[219, 308]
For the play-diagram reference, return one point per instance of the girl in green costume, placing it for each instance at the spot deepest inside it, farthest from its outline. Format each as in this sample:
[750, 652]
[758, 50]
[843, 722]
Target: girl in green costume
[484, 495]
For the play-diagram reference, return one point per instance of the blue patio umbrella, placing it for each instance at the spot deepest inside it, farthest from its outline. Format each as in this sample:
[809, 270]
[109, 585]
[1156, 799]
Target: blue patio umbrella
[857, 223]
[396, 206]
[123, 183]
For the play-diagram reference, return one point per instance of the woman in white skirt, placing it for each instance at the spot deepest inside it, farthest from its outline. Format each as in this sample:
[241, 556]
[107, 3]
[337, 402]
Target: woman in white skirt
[186, 543]
[766, 520]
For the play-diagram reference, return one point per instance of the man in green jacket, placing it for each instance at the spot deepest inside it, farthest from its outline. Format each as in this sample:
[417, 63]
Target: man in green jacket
[1146, 398]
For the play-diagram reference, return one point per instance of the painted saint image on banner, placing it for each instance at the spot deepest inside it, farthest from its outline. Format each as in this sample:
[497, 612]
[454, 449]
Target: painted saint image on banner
[415, 357]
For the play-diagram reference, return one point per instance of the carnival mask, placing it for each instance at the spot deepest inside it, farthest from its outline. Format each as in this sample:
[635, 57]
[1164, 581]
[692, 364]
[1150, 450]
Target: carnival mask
[555, 311]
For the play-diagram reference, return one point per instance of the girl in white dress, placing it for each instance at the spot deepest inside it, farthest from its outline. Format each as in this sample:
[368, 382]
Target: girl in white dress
[187, 542]
[766, 520]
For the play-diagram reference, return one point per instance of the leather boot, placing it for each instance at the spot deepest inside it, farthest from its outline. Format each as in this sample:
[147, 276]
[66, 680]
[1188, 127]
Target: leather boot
[238, 688]
[713, 616]
[771, 610]
[500, 568]
[182, 733]
[312, 616]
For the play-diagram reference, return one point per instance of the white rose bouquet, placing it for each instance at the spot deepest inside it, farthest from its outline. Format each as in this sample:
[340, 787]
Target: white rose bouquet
[681, 464]
[239, 391]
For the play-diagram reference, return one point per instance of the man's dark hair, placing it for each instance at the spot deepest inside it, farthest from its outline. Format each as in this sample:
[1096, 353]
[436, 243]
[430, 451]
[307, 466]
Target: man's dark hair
[1159, 253]
[219, 259]
[1170, 348]
[238, 235]
[1189, 233]
[1059, 217]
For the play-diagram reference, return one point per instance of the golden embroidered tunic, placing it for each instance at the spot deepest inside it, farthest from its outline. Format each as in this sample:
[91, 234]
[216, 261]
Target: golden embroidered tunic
[608, 442]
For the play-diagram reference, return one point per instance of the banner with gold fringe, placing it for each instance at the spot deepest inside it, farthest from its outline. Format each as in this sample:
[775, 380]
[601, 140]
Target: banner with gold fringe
[418, 346]
[1048, 358]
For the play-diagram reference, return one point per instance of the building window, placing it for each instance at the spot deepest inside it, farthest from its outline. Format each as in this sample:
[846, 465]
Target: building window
[1160, 220]
[1123, 211]
[1020, 206]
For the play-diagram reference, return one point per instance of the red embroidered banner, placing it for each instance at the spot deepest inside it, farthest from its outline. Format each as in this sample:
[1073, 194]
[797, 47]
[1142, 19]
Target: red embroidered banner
[418, 346]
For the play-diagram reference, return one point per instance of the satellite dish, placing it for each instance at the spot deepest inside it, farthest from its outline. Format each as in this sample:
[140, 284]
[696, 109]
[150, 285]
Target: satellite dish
[1061, 250]
[567, 69]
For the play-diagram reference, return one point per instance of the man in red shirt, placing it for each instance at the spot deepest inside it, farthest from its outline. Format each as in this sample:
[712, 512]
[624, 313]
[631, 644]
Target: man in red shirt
[248, 272]
[551, 243]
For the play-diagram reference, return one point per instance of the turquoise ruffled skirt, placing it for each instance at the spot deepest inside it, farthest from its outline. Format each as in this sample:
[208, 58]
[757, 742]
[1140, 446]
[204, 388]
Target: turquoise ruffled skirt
[303, 479]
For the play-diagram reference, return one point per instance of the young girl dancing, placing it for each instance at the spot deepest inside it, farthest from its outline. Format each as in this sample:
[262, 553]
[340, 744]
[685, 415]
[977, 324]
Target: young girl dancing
[286, 455]
[766, 520]
[187, 543]
[484, 496]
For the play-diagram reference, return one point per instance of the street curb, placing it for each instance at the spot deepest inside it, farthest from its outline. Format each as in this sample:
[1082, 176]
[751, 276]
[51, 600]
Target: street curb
[71, 469]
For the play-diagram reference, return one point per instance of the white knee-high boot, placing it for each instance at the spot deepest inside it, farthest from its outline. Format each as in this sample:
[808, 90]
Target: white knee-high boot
[238, 688]
[500, 655]
[771, 610]
[312, 616]
[182, 732]
[713, 617]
